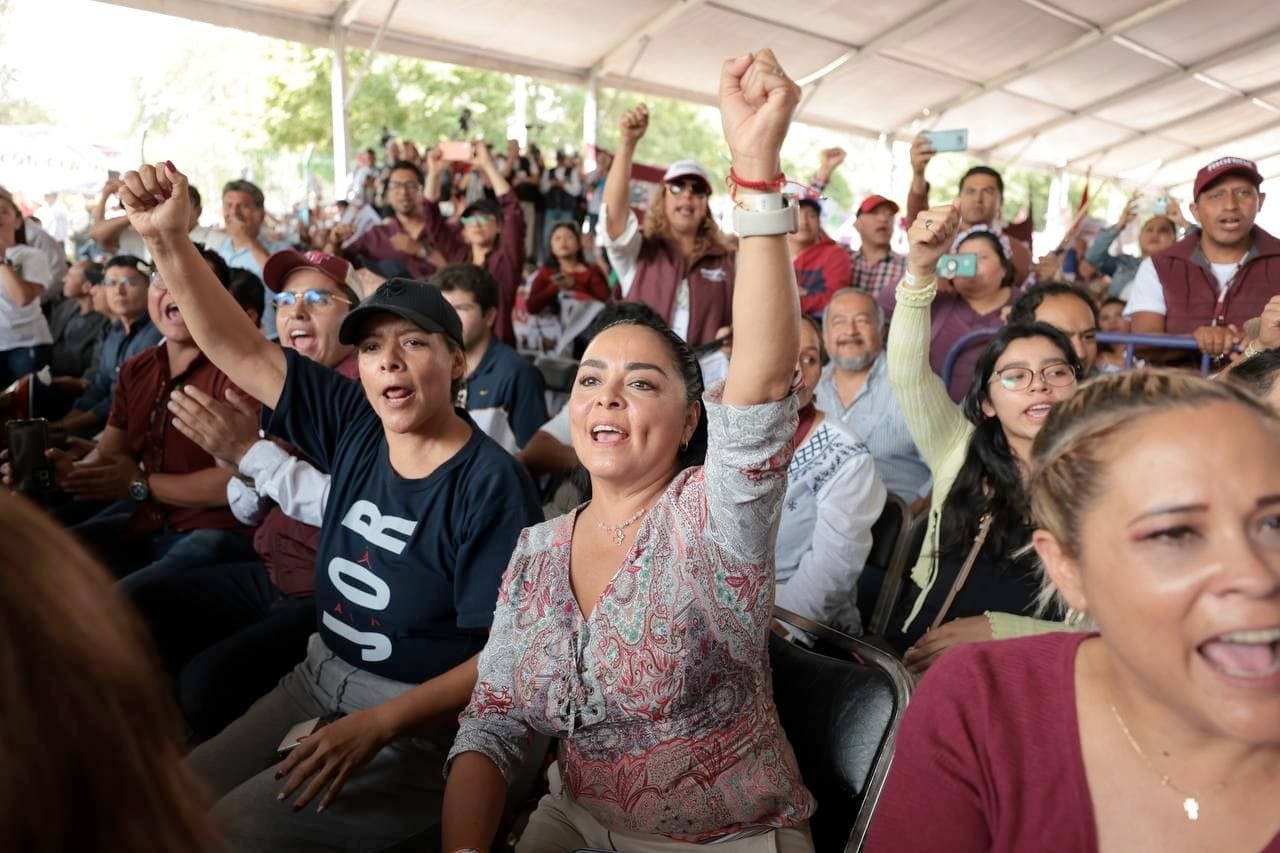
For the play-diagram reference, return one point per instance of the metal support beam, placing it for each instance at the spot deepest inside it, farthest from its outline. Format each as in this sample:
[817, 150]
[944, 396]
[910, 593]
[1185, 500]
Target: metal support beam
[1257, 95]
[591, 120]
[349, 11]
[338, 105]
[1090, 109]
[354, 88]
[1094, 35]
[655, 25]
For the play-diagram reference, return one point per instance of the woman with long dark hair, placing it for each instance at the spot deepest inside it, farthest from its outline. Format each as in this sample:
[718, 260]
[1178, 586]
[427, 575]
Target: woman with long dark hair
[635, 629]
[566, 271]
[25, 342]
[972, 583]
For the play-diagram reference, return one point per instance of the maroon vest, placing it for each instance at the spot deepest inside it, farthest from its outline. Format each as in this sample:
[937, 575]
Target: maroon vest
[1191, 290]
[659, 269]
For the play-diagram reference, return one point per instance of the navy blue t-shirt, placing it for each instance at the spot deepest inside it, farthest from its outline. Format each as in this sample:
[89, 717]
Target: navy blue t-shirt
[407, 570]
[506, 396]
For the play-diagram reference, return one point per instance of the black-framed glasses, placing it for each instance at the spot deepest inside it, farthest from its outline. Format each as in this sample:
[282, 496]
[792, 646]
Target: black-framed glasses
[1059, 375]
[314, 297]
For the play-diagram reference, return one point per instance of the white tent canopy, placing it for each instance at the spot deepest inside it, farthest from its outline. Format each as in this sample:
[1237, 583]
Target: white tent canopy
[1141, 90]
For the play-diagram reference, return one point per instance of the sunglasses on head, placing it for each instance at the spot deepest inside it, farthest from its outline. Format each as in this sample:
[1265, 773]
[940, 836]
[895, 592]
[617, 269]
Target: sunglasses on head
[477, 219]
[310, 297]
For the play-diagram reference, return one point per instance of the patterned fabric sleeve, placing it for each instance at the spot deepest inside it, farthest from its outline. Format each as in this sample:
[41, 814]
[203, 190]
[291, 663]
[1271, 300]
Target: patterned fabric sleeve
[491, 723]
[748, 450]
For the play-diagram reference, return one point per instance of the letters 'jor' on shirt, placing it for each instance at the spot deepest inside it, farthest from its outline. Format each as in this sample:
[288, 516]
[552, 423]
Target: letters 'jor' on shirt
[662, 695]
[407, 570]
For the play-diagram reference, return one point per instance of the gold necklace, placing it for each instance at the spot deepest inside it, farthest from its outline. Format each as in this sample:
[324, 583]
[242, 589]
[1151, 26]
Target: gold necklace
[618, 531]
[1190, 801]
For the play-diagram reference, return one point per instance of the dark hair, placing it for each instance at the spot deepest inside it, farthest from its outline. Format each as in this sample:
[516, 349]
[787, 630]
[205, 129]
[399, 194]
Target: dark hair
[133, 262]
[20, 232]
[194, 195]
[990, 481]
[247, 289]
[1112, 300]
[811, 203]
[249, 188]
[984, 170]
[1024, 310]
[407, 166]
[580, 257]
[468, 278]
[216, 262]
[686, 363]
[823, 358]
[93, 272]
[1257, 373]
[1006, 263]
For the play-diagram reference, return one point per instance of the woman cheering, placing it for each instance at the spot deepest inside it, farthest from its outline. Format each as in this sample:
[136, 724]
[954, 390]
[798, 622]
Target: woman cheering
[635, 629]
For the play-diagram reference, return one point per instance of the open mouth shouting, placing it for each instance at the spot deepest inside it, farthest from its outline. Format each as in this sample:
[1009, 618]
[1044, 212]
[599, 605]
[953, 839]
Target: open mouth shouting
[1252, 655]
[608, 435]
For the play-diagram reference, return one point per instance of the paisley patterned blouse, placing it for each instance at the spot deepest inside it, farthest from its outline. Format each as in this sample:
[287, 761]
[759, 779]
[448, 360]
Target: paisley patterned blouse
[662, 698]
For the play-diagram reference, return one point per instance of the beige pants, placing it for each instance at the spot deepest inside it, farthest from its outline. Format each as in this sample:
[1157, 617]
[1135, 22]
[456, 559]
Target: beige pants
[560, 825]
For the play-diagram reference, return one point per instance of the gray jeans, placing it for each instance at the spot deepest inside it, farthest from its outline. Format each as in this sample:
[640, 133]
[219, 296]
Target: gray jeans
[396, 796]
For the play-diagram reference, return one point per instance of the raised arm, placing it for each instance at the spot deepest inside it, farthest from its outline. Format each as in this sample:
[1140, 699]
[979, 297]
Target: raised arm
[159, 208]
[756, 103]
[617, 186]
[935, 422]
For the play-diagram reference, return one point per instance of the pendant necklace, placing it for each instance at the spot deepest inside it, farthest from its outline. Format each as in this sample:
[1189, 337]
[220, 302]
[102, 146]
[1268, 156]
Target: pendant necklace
[1190, 801]
[618, 531]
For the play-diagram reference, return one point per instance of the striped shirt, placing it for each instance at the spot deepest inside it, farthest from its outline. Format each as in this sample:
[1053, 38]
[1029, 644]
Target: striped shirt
[875, 415]
[875, 276]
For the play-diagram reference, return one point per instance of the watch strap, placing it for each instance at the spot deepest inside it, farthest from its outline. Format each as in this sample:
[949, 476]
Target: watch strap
[766, 223]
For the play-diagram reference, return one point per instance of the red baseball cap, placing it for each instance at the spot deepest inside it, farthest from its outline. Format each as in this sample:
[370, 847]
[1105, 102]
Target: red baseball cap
[279, 265]
[1222, 167]
[871, 202]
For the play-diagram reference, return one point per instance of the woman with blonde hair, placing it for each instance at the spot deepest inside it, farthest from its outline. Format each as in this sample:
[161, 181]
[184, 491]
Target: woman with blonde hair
[1157, 499]
[679, 263]
[89, 734]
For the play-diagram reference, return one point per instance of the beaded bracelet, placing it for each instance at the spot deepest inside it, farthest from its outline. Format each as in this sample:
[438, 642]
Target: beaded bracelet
[775, 185]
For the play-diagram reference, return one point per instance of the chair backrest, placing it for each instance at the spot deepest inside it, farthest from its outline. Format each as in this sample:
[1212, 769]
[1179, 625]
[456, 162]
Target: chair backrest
[886, 538]
[909, 545]
[557, 372]
[841, 715]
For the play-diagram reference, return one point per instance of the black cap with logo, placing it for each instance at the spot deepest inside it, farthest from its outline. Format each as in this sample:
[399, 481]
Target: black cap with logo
[418, 302]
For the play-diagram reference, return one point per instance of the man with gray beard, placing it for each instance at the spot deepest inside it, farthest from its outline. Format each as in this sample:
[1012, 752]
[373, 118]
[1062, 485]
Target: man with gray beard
[855, 388]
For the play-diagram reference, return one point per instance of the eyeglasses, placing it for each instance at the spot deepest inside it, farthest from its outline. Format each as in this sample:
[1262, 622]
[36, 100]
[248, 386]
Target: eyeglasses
[478, 219]
[1058, 375]
[696, 188]
[116, 282]
[322, 298]
[403, 185]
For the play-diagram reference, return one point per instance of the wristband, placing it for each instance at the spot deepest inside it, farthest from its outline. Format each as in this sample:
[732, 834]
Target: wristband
[758, 202]
[918, 282]
[766, 223]
[774, 185]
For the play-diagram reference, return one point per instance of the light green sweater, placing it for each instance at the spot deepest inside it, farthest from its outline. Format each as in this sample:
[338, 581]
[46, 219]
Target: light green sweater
[941, 433]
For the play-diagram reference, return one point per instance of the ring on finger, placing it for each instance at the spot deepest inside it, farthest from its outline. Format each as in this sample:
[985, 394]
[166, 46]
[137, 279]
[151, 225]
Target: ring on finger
[928, 223]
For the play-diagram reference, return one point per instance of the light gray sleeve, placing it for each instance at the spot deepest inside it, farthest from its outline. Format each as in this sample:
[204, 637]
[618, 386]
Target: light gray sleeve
[748, 450]
[298, 487]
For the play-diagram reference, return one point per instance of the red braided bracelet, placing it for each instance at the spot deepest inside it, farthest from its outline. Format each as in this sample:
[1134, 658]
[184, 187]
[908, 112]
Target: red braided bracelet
[775, 185]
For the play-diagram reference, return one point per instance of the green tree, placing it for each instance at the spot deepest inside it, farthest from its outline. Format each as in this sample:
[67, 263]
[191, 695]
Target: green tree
[15, 110]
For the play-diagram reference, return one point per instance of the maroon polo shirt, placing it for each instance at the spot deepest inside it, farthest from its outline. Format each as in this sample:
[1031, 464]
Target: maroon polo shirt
[140, 408]
[376, 244]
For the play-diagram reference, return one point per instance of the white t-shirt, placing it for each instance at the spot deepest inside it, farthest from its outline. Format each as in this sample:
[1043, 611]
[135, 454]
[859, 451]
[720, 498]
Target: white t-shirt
[1147, 294]
[24, 325]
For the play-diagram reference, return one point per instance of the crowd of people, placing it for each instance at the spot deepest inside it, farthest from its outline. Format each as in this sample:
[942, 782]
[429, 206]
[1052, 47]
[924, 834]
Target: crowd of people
[298, 571]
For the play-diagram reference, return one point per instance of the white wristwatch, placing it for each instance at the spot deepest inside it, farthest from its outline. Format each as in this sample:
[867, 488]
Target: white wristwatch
[766, 215]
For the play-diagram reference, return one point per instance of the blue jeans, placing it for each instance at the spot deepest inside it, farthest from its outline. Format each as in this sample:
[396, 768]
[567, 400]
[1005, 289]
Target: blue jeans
[137, 560]
[17, 363]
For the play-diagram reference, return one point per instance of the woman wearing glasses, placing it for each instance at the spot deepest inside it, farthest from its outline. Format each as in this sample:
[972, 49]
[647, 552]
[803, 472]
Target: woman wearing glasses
[679, 263]
[972, 582]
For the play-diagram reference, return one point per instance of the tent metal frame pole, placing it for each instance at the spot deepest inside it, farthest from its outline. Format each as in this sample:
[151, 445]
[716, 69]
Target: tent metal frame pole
[591, 117]
[338, 102]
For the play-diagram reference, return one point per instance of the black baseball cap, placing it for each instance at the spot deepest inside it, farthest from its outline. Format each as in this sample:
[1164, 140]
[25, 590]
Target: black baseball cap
[416, 301]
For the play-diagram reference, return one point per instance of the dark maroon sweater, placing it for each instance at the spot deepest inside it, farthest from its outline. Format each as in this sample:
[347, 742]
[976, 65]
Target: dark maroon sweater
[988, 756]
